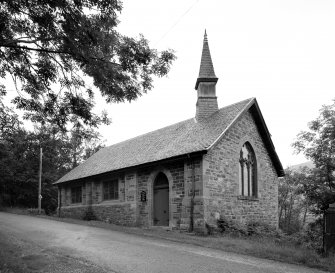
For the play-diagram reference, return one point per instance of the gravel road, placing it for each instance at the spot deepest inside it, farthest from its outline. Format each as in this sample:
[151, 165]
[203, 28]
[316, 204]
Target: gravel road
[33, 244]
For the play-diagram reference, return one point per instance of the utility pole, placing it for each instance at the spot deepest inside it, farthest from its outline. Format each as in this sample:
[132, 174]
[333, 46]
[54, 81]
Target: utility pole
[40, 183]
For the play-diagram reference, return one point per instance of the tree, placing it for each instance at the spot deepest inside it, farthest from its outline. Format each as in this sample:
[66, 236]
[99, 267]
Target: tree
[9, 120]
[318, 145]
[19, 158]
[82, 143]
[293, 205]
[48, 46]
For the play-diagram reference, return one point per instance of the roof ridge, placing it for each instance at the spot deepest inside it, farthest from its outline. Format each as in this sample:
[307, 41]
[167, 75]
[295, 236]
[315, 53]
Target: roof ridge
[230, 105]
[174, 124]
[250, 99]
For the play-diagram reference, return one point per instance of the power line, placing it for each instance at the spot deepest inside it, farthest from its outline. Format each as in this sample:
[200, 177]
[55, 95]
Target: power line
[178, 20]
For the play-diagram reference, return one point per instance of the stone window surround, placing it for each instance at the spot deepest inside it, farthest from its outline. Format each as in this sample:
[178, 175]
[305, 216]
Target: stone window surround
[151, 182]
[237, 157]
[248, 171]
[110, 181]
[101, 200]
[77, 187]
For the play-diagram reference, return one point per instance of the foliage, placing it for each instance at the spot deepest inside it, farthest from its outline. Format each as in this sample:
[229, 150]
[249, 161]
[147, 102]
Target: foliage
[9, 121]
[307, 238]
[89, 215]
[19, 159]
[231, 227]
[318, 144]
[48, 47]
[311, 237]
[250, 228]
[293, 204]
[259, 228]
[35, 211]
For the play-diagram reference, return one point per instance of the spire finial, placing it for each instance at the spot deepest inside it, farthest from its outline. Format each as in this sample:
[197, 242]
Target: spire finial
[205, 36]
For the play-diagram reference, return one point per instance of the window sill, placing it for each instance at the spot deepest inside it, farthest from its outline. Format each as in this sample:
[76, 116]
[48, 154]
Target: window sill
[72, 205]
[248, 198]
[76, 204]
[110, 201]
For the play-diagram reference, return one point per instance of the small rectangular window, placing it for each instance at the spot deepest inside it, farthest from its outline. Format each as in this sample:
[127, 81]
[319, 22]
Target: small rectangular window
[111, 189]
[76, 195]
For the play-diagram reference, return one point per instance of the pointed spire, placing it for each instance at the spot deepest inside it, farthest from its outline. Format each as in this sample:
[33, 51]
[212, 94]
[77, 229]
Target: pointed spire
[206, 72]
[207, 102]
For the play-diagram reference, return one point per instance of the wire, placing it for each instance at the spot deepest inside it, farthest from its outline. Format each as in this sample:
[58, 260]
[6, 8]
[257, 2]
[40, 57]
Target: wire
[178, 20]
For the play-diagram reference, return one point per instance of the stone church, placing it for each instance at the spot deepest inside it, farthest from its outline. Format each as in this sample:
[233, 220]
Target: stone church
[220, 163]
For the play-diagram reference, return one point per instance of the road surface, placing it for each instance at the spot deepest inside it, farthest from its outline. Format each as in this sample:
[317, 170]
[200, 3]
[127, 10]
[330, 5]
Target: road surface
[45, 245]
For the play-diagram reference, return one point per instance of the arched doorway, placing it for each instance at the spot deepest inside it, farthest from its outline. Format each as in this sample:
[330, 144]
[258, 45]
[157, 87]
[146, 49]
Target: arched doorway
[161, 200]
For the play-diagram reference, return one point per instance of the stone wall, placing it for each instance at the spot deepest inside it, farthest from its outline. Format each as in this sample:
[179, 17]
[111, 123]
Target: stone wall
[120, 214]
[177, 193]
[221, 178]
[144, 209]
[129, 209]
[121, 211]
[193, 174]
[205, 107]
[179, 176]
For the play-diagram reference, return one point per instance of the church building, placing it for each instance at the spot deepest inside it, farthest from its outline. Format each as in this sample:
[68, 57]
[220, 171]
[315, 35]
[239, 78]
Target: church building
[220, 163]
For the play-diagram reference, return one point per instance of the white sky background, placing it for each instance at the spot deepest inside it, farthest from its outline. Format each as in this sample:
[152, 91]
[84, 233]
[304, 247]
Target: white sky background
[281, 52]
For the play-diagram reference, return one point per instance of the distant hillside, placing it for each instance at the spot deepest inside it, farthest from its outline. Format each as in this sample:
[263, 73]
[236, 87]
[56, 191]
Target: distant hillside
[307, 164]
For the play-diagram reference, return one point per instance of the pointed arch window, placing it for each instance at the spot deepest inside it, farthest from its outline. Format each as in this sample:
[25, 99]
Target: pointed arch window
[247, 171]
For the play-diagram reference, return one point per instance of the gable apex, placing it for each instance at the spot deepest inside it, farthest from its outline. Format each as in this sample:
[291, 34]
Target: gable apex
[246, 107]
[253, 107]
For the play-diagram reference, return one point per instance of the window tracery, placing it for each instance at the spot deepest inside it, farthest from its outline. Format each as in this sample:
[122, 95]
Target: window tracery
[247, 171]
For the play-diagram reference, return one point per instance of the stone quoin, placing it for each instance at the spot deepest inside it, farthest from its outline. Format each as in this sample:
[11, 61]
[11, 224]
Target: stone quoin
[221, 163]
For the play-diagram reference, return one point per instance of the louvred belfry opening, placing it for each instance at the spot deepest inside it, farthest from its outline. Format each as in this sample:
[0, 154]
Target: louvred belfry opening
[206, 85]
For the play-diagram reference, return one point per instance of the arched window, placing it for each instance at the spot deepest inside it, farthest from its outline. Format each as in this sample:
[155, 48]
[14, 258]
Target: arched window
[247, 171]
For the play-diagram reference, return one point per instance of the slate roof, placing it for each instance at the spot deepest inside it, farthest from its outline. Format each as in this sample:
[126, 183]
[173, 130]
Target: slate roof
[182, 138]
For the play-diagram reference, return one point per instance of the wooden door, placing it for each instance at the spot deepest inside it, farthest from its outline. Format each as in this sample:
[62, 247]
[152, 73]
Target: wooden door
[161, 201]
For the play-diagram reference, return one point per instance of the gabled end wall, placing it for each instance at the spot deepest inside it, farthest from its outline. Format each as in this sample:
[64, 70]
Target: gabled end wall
[221, 178]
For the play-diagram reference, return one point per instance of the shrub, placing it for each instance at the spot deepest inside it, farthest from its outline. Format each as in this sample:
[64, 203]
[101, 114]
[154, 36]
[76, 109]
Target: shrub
[251, 228]
[89, 215]
[210, 229]
[34, 211]
[311, 237]
[260, 228]
[222, 224]
[50, 208]
[228, 226]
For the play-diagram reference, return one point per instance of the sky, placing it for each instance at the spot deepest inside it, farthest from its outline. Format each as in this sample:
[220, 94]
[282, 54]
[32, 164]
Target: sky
[281, 51]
